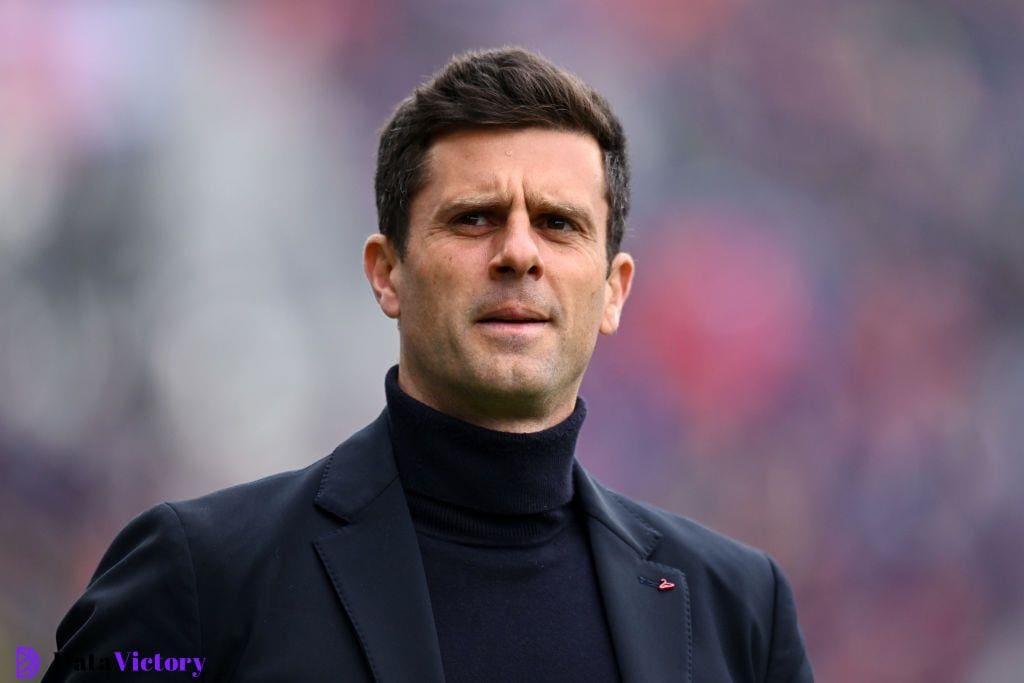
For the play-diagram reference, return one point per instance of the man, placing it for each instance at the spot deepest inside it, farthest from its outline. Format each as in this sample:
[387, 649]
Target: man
[456, 538]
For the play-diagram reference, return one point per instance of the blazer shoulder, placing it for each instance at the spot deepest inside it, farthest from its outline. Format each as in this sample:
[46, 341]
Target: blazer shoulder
[738, 590]
[732, 565]
[298, 499]
[251, 501]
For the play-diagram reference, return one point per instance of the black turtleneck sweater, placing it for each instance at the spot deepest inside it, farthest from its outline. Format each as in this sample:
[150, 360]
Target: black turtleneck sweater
[504, 547]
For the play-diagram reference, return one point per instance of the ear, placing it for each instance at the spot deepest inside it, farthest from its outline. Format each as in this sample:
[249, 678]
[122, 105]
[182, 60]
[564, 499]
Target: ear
[381, 265]
[620, 279]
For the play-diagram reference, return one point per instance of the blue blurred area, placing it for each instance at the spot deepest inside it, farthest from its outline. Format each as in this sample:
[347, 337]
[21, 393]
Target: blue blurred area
[823, 354]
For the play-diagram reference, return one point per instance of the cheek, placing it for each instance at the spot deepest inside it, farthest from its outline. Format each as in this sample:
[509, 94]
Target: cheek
[433, 293]
[589, 307]
[595, 297]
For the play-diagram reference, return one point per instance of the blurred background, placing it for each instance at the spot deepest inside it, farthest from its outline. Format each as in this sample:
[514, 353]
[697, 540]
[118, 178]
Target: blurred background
[823, 354]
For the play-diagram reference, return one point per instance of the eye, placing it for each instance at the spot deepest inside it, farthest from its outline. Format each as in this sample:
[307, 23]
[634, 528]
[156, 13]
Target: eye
[478, 220]
[559, 223]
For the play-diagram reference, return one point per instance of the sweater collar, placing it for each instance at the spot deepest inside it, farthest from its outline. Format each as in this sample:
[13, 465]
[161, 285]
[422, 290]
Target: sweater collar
[454, 461]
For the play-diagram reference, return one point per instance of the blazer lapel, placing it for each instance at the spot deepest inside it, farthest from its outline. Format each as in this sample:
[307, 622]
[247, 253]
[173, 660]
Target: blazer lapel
[374, 560]
[647, 603]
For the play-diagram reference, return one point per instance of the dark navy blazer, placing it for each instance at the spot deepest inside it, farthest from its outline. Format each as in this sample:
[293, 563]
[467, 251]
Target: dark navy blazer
[315, 575]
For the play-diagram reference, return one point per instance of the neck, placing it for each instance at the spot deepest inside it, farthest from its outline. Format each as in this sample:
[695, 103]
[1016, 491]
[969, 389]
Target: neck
[450, 460]
[517, 415]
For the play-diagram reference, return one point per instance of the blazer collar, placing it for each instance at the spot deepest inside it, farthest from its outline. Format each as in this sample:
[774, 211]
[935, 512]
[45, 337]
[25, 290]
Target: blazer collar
[374, 560]
[603, 506]
[358, 471]
[647, 603]
[375, 567]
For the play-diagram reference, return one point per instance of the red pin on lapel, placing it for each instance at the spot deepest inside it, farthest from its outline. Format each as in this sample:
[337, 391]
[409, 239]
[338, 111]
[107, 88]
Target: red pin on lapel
[666, 585]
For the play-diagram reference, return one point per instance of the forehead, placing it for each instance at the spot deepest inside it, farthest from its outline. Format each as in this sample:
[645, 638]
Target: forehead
[558, 165]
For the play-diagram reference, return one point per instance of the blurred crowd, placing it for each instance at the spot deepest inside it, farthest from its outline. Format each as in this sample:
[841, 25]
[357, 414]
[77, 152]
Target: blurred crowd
[823, 354]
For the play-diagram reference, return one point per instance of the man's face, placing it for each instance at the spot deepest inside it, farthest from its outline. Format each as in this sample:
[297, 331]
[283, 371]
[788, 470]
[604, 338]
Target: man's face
[505, 282]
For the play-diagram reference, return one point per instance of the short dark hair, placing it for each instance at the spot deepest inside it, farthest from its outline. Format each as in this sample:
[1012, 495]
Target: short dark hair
[504, 88]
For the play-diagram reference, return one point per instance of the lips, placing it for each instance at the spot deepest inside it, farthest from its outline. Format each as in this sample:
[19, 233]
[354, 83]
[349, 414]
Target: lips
[513, 314]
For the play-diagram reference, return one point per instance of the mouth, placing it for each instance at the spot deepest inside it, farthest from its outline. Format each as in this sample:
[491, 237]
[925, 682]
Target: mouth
[513, 315]
[512, 323]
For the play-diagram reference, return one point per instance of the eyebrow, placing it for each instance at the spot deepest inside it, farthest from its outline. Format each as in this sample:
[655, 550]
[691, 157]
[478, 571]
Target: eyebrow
[495, 203]
[473, 203]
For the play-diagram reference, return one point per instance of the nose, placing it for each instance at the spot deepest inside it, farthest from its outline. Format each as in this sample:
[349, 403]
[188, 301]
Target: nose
[517, 252]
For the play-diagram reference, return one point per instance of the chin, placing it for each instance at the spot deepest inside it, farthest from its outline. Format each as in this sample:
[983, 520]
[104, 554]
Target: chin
[519, 376]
